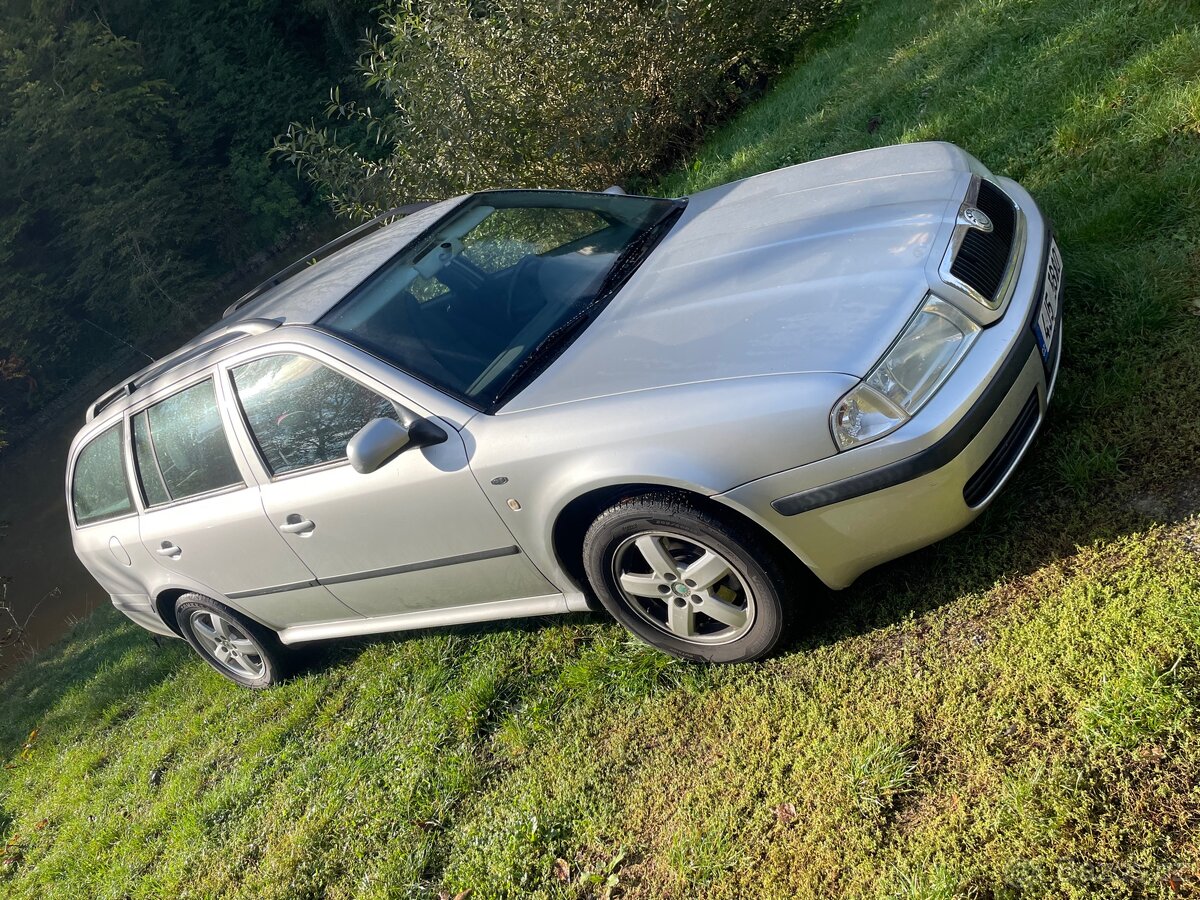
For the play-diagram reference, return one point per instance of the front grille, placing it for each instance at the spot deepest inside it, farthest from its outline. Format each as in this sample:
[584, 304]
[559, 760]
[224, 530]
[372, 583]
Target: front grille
[980, 485]
[983, 256]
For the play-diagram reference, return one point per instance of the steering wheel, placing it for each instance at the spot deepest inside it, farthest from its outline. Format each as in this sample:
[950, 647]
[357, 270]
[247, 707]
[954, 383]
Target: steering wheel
[296, 418]
[519, 273]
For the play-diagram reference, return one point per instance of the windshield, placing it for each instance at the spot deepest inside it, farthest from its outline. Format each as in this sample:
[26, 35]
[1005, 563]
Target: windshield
[470, 305]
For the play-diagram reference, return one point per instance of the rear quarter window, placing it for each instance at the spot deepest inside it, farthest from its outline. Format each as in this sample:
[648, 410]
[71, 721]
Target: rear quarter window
[99, 488]
[181, 448]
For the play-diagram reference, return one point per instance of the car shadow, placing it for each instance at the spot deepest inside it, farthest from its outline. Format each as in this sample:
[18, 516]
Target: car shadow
[319, 656]
[1023, 531]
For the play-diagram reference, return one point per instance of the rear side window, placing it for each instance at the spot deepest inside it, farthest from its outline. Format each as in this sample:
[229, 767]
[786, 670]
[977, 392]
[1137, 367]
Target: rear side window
[153, 488]
[302, 413]
[180, 447]
[99, 488]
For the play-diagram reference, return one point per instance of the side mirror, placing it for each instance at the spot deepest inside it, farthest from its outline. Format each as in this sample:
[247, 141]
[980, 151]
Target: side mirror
[380, 440]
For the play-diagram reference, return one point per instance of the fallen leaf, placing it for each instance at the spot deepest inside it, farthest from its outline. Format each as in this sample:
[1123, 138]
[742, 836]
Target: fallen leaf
[40, 825]
[1184, 883]
[562, 870]
[785, 813]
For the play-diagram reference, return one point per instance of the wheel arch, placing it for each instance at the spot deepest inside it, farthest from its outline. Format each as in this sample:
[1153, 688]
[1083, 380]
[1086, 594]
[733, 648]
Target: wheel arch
[164, 605]
[165, 593]
[577, 515]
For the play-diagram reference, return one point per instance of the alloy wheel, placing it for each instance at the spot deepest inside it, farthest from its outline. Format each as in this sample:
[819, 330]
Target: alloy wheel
[683, 587]
[228, 644]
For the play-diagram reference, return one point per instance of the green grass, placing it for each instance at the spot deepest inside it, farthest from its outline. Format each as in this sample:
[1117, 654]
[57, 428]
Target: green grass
[1012, 713]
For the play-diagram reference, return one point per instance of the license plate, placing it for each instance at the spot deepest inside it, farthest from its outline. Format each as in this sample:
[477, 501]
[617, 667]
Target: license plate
[1047, 317]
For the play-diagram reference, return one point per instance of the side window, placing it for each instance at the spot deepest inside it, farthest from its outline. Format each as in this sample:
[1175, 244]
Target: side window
[99, 489]
[302, 413]
[180, 447]
[153, 488]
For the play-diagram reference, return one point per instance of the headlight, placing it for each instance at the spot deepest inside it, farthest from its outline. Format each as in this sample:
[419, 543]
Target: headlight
[931, 345]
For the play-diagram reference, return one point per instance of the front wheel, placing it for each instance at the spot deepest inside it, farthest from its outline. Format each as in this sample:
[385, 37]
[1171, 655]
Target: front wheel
[241, 650]
[694, 584]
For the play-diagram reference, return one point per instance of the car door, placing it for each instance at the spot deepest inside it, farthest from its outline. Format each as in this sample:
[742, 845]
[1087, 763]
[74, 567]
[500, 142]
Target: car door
[204, 519]
[416, 534]
[106, 535]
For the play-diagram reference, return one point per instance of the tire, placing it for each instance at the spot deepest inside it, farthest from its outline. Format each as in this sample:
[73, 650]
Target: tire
[247, 653]
[669, 610]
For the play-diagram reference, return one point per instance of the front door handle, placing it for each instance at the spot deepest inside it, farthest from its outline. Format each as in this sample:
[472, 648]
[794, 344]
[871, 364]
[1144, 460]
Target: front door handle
[295, 524]
[169, 550]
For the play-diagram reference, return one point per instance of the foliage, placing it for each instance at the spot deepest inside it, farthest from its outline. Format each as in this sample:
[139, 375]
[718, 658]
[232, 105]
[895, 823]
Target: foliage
[132, 138]
[461, 96]
[237, 68]
[11, 369]
[91, 190]
[13, 630]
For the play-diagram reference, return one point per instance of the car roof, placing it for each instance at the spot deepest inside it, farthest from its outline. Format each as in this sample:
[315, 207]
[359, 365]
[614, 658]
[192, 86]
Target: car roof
[296, 299]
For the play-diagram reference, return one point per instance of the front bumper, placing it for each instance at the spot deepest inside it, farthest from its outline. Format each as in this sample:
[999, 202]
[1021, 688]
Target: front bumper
[850, 512]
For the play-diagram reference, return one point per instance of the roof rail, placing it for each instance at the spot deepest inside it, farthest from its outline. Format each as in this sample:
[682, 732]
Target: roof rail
[121, 390]
[218, 338]
[323, 251]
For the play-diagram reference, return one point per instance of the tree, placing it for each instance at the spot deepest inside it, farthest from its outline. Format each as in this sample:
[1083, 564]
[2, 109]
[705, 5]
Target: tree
[92, 208]
[456, 96]
[133, 140]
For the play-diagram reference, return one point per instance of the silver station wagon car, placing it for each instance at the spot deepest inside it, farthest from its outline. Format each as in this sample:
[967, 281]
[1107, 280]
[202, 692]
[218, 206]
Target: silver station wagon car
[521, 402]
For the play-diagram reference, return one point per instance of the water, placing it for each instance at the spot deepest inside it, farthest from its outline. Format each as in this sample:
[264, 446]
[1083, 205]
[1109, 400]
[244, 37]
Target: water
[35, 547]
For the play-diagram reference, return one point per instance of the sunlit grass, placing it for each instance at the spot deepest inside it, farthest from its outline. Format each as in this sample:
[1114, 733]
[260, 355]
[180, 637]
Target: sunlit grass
[1038, 733]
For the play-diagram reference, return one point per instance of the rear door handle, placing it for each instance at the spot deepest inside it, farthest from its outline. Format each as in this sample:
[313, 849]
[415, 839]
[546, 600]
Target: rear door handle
[295, 524]
[169, 550]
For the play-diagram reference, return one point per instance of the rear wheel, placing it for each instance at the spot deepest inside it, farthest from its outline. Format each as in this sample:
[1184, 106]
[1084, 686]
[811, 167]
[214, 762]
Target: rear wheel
[238, 648]
[698, 585]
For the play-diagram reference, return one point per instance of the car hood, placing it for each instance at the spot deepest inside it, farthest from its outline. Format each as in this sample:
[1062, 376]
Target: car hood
[813, 268]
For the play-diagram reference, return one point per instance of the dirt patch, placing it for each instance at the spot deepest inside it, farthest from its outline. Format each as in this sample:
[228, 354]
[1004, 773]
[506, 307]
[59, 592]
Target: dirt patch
[1179, 504]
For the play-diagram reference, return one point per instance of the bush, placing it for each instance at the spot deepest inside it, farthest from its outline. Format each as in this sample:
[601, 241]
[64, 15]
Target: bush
[470, 95]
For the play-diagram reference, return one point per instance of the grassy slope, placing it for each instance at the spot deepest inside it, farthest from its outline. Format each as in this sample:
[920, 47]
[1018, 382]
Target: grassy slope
[1010, 713]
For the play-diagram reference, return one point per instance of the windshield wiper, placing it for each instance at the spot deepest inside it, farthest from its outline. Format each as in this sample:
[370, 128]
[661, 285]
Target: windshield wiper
[545, 347]
[627, 261]
[634, 252]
